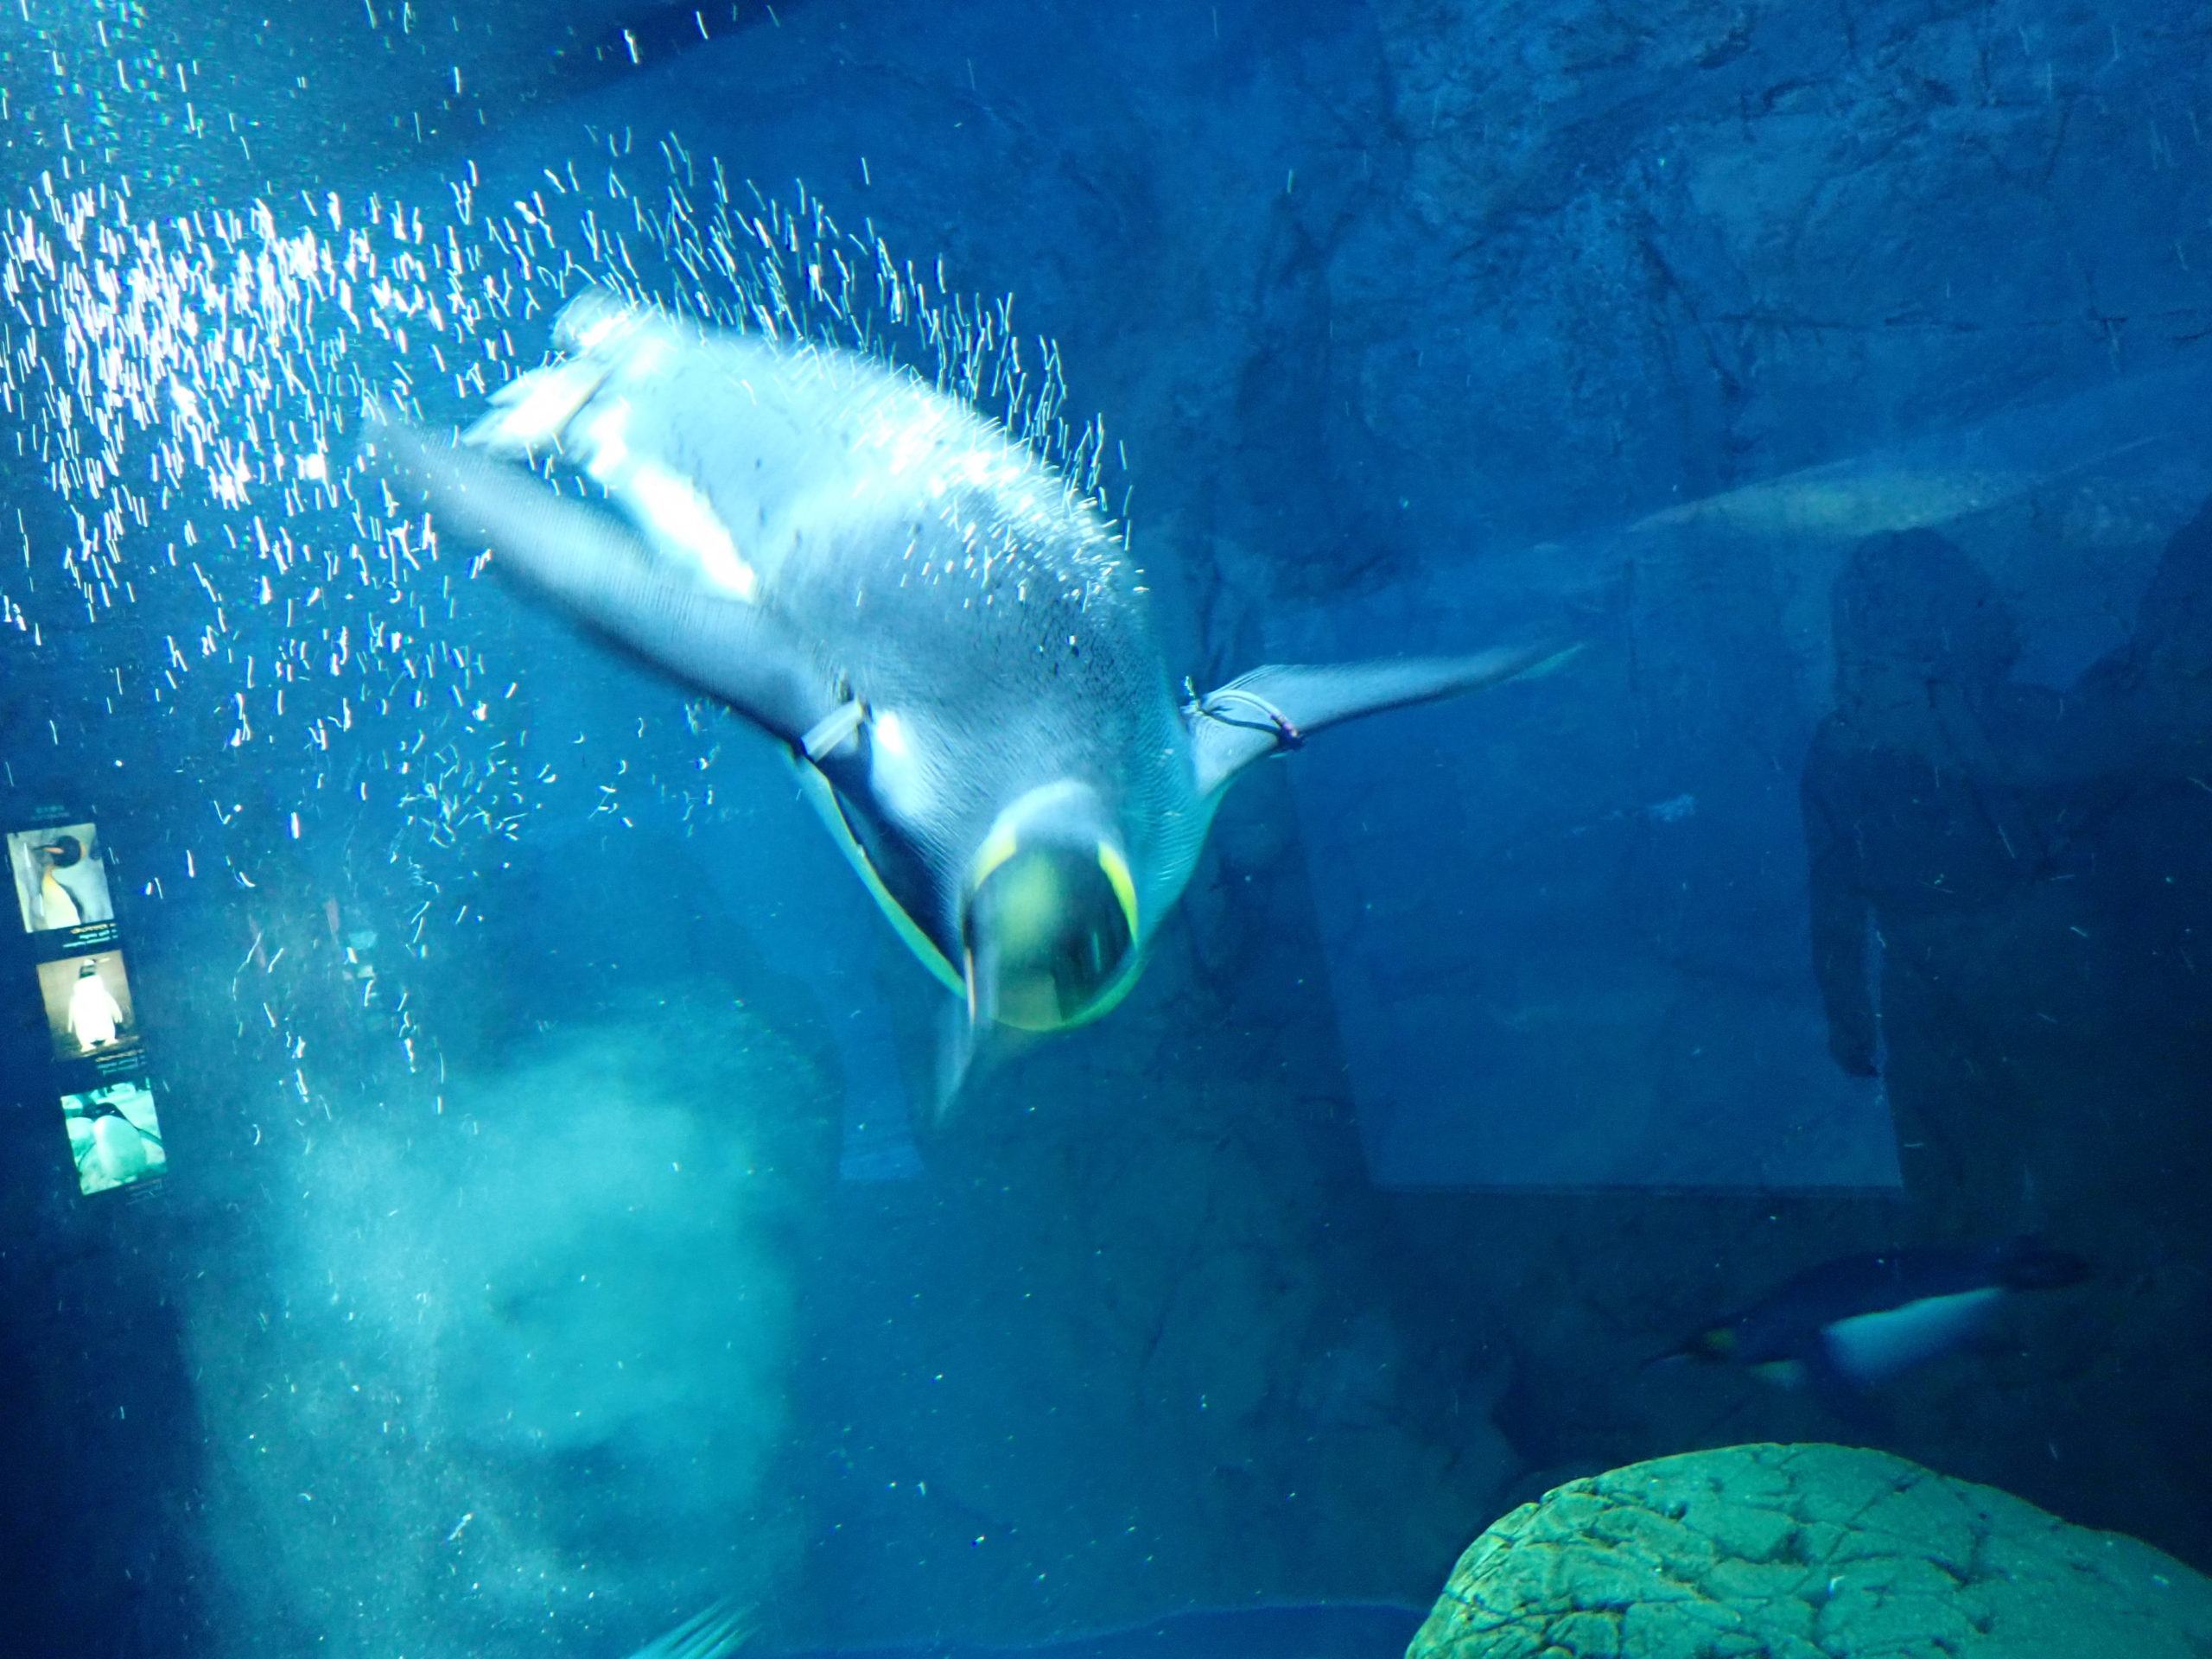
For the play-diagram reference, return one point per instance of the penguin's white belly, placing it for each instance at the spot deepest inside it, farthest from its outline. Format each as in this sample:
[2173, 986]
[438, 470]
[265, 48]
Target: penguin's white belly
[1870, 1347]
[902, 778]
[119, 1151]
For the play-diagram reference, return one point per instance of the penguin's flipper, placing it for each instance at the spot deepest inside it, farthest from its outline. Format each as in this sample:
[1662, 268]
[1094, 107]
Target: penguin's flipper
[956, 1058]
[1279, 706]
[594, 568]
[969, 1050]
[714, 1633]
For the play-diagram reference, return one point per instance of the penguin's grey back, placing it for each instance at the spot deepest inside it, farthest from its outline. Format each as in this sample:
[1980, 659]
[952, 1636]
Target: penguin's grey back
[948, 574]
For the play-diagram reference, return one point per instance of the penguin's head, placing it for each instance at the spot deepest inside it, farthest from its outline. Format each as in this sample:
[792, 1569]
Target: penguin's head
[1715, 1344]
[1048, 924]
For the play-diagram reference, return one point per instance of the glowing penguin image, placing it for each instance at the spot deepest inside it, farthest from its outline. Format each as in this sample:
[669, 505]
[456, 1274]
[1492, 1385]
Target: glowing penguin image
[114, 1136]
[949, 636]
[1846, 1326]
[94, 1016]
[119, 1151]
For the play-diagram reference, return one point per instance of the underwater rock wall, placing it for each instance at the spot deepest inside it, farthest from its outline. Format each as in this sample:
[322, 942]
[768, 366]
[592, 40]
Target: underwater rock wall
[1681, 248]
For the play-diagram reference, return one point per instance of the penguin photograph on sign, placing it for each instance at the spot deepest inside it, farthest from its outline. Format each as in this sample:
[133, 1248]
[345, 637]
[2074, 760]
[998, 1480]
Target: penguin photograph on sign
[115, 1136]
[60, 878]
[88, 1005]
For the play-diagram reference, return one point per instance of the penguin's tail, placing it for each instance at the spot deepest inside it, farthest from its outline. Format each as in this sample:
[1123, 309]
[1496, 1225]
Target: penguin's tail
[967, 1050]
[714, 1633]
[2029, 1263]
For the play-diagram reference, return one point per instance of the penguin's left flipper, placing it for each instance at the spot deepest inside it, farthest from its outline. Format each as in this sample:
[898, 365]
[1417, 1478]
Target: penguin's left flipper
[595, 568]
[1279, 706]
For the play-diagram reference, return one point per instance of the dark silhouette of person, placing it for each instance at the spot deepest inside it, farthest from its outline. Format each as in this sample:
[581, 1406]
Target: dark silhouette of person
[1912, 811]
[2159, 683]
[1934, 804]
[2128, 1158]
[2150, 881]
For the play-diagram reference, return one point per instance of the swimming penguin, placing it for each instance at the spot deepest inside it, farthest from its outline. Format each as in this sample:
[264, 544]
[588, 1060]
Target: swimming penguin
[949, 638]
[1846, 1325]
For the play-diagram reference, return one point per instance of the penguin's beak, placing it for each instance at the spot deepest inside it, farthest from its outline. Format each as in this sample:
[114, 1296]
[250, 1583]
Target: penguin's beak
[1049, 938]
[1710, 1346]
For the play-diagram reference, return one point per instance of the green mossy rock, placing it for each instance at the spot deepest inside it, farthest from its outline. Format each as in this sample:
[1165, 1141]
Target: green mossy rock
[1807, 1552]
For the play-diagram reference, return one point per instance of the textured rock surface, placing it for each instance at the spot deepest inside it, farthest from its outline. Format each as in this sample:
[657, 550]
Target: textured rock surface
[1796, 1551]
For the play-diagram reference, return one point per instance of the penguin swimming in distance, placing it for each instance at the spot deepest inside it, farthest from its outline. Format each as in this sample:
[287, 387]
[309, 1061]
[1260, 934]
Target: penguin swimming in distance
[1847, 1325]
[947, 634]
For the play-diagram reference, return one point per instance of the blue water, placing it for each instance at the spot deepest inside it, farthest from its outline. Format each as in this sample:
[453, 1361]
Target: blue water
[1348, 1633]
[565, 1219]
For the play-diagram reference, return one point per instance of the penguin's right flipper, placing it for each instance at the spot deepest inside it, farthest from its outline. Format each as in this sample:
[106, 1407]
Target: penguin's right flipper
[599, 571]
[715, 1634]
[1279, 706]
